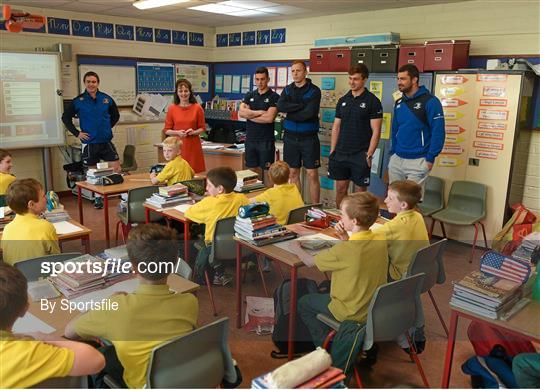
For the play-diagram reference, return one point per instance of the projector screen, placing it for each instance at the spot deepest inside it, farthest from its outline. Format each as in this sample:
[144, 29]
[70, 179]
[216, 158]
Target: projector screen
[30, 106]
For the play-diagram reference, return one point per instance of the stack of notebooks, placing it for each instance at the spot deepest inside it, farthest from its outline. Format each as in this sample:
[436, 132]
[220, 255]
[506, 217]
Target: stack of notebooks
[525, 250]
[261, 229]
[170, 196]
[247, 181]
[486, 295]
[56, 215]
[75, 284]
[94, 175]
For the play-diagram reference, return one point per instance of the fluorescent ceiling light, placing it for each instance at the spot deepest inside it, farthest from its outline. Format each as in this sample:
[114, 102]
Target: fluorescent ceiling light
[147, 4]
[217, 9]
[249, 12]
[248, 4]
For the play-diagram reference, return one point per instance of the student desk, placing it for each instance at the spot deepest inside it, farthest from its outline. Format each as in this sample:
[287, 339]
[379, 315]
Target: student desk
[83, 235]
[172, 213]
[524, 324]
[213, 158]
[130, 182]
[60, 318]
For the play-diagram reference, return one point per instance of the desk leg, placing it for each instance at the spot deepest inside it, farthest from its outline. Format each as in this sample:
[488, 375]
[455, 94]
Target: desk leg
[292, 318]
[186, 241]
[147, 215]
[238, 285]
[79, 202]
[106, 211]
[450, 350]
[86, 243]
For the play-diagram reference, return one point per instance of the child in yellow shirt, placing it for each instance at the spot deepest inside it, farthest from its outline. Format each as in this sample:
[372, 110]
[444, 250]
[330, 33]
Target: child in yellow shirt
[358, 264]
[406, 233]
[26, 361]
[221, 203]
[6, 178]
[149, 316]
[26, 198]
[177, 169]
[284, 196]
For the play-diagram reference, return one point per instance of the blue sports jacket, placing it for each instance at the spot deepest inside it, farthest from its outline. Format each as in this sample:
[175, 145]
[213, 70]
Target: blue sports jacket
[302, 107]
[418, 126]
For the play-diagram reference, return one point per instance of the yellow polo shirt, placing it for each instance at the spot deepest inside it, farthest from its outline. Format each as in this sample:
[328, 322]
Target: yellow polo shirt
[5, 180]
[146, 318]
[282, 199]
[28, 236]
[359, 266]
[25, 362]
[176, 170]
[213, 208]
[405, 234]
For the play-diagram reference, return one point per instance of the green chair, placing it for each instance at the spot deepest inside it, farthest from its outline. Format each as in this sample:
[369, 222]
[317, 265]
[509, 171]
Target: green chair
[129, 163]
[31, 268]
[433, 200]
[199, 359]
[298, 215]
[135, 212]
[466, 206]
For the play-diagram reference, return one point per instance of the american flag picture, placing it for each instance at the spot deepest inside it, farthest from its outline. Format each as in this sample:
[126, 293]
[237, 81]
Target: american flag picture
[496, 264]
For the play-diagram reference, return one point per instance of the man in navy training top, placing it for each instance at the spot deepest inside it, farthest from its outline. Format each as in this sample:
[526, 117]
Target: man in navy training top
[300, 103]
[259, 108]
[417, 129]
[355, 134]
[97, 113]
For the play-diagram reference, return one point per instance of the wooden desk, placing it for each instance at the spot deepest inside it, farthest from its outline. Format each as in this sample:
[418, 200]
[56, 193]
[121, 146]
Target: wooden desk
[130, 182]
[233, 158]
[60, 318]
[83, 235]
[524, 324]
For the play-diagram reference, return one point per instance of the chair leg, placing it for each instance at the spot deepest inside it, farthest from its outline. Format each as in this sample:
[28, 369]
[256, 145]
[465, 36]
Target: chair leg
[414, 356]
[431, 228]
[443, 229]
[484, 234]
[474, 242]
[116, 233]
[438, 312]
[259, 266]
[209, 287]
[328, 339]
[357, 377]
[124, 231]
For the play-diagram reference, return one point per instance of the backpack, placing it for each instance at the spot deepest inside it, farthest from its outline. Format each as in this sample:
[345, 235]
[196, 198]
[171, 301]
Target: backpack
[491, 372]
[280, 335]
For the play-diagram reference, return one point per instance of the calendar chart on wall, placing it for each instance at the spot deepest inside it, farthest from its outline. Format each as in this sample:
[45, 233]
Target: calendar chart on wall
[155, 77]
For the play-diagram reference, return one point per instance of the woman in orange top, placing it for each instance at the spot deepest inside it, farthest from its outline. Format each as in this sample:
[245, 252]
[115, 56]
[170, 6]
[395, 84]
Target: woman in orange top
[185, 119]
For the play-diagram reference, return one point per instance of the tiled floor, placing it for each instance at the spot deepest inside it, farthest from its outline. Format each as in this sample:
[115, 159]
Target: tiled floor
[252, 352]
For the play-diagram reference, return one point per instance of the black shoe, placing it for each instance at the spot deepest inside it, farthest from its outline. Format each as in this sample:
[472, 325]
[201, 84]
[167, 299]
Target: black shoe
[369, 358]
[419, 346]
[98, 203]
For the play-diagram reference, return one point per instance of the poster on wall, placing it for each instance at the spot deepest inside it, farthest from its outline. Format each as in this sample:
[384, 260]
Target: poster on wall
[196, 74]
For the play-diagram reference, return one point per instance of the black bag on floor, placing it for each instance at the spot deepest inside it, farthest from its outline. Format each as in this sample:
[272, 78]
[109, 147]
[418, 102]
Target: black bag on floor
[280, 335]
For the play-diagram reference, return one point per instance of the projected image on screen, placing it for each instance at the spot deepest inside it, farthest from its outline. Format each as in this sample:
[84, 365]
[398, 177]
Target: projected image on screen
[30, 107]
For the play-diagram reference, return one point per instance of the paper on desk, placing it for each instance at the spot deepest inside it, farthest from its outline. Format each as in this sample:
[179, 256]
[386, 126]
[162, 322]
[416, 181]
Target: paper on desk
[183, 207]
[66, 227]
[127, 286]
[30, 323]
[212, 147]
[287, 245]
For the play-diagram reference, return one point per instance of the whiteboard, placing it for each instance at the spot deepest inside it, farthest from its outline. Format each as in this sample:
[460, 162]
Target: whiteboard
[116, 81]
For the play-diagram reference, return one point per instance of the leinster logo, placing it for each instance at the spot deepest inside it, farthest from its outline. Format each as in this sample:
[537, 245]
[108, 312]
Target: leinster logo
[266, 100]
[417, 106]
[105, 100]
[362, 105]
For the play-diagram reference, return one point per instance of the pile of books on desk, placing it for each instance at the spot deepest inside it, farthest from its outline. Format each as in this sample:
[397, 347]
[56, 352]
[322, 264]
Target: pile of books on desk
[261, 229]
[75, 284]
[486, 295]
[94, 175]
[247, 181]
[58, 214]
[525, 250]
[170, 196]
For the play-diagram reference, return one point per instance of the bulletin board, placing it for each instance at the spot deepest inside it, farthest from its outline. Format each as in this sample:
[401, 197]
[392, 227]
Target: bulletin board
[116, 81]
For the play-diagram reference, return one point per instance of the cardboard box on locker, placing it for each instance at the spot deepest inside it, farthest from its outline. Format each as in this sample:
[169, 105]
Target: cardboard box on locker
[447, 55]
[412, 54]
[340, 59]
[362, 55]
[319, 60]
[385, 59]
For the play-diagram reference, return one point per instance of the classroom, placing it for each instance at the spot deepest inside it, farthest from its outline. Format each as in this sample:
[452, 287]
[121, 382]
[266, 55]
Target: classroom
[270, 193]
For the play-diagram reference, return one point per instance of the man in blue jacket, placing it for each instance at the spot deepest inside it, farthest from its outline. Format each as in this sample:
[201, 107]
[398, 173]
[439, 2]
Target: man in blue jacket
[97, 113]
[300, 101]
[417, 129]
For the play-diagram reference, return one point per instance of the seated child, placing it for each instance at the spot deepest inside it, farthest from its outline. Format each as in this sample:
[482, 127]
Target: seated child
[26, 361]
[26, 198]
[147, 317]
[6, 178]
[177, 169]
[406, 233]
[284, 196]
[358, 264]
[221, 203]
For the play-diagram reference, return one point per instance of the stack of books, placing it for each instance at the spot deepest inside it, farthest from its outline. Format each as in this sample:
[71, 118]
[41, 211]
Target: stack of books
[94, 175]
[525, 250]
[261, 230]
[56, 215]
[75, 284]
[170, 196]
[247, 181]
[487, 295]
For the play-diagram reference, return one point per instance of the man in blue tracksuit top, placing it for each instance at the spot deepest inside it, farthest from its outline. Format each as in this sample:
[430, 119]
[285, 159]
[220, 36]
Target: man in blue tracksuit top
[300, 102]
[97, 113]
[417, 129]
